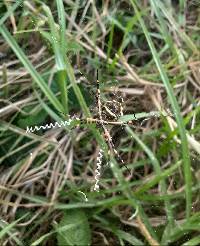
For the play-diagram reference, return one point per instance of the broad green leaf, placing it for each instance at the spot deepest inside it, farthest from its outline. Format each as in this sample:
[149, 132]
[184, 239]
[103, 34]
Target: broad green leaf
[79, 234]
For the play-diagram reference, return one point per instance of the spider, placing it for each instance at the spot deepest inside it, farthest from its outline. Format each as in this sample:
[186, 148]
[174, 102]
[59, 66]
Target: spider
[107, 113]
[113, 115]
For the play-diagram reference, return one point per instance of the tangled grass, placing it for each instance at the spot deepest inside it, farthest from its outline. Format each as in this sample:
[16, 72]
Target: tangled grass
[146, 51]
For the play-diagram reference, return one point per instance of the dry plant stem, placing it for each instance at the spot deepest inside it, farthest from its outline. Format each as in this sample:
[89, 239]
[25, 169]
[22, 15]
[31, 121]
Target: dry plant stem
[193, 82]
[28, 178]
[73, 15]
[41, 168]
[58, 173]
[67, 168]
[146, 233]
[14, 106]
[154, 221]
[19, 175]
[105, 8]
[84, 13]
[12, 18]
[98, 18]
[59, 181]
[22, 71]
[18, 201]
[132, 75]
[37, 213]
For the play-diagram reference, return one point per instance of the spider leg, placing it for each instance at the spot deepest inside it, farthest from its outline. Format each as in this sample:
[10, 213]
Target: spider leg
[112, 148]
[144, 121]
[98, 96]
[121, 106]
[108, 138]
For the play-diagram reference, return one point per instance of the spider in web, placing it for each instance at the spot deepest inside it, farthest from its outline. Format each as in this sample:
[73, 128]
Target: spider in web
[112, 110]
[107, 114]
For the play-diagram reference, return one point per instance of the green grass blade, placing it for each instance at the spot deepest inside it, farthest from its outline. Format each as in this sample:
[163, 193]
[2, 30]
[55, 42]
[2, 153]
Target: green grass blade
[158, 171]
[179, 31]
[128, 193]
[10, 11]
[62, 23]
[70, 74]
[128, 117]
[194, 241]
[27, 64]
[7, 228]
[62, 75]
[176, 110]
[158, 178]
[61, 79]
[57, 40]
[110, 41]
[165, 31]
[60, 229]
[128, 237]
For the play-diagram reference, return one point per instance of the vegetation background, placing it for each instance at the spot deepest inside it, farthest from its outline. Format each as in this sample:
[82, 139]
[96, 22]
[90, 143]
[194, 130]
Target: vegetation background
[145, 51]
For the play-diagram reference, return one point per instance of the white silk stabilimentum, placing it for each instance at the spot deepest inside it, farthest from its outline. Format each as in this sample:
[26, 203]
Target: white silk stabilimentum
[49, 126]
[97, 171]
